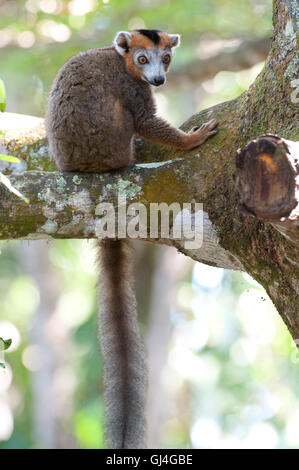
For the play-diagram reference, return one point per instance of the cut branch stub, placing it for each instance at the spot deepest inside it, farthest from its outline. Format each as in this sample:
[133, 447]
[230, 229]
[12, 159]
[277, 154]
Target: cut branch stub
[267, 178]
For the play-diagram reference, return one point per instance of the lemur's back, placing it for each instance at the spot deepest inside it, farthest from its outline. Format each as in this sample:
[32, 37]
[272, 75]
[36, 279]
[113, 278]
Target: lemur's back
[89, 122]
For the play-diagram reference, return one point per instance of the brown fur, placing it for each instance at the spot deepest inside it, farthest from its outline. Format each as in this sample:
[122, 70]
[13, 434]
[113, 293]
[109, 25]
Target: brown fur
[138, 40]
[164, 41]
[97, 104]
[84, 131]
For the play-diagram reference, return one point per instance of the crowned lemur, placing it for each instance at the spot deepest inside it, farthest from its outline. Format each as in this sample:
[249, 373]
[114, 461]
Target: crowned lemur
[99, 101]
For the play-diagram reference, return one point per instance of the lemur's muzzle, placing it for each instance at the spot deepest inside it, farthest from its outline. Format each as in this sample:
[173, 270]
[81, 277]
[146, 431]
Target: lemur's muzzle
[157, 81]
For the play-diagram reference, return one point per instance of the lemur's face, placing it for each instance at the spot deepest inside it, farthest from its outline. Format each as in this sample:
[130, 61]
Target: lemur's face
[147, 53]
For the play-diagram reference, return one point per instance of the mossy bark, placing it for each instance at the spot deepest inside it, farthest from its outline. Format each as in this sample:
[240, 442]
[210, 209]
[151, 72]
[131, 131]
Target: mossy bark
[64, 205]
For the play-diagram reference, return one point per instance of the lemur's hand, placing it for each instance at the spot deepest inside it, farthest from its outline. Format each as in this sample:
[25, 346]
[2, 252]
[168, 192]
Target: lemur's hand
[198, 135]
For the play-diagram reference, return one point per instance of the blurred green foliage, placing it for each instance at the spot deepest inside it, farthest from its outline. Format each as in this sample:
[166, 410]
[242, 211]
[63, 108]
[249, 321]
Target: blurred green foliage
[4, 345]
[232, 372]
[231, 361]
[38, 36]
[2, 96]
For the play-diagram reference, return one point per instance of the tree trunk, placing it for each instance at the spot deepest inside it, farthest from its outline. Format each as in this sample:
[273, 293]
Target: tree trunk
[67, 205]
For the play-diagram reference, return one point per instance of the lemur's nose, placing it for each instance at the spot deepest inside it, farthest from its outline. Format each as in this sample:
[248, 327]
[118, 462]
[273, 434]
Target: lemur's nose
[159, 80]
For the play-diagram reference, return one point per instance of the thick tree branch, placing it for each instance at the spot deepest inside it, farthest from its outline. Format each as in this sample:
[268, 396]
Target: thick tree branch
[69, 205]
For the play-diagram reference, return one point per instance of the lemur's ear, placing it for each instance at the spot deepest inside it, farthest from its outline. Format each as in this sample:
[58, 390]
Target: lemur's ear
[122, 42]
[175, 40]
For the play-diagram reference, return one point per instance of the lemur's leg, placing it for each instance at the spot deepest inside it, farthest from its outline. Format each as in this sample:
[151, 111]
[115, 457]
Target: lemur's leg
[160, 131]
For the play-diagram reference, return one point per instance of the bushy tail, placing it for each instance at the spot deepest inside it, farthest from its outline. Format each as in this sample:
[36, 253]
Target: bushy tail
[125, 372]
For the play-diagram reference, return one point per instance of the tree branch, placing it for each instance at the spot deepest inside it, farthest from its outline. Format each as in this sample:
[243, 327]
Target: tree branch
[68, 205]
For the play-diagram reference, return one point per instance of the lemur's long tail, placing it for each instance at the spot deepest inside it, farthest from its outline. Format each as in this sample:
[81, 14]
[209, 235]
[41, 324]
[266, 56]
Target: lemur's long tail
[125, 372]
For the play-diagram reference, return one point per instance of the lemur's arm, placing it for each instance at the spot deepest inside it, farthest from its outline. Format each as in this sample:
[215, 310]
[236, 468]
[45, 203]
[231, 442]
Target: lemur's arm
[159, 131]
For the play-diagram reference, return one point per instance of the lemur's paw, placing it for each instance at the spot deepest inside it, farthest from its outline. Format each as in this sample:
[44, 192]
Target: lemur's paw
[198, 135]
[206, 130]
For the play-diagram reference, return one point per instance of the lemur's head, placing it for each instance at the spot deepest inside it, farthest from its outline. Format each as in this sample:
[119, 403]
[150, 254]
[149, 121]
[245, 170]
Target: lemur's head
[147, 53]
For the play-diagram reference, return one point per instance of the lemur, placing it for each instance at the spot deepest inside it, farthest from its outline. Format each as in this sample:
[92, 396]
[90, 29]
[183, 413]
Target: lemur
[99, 101]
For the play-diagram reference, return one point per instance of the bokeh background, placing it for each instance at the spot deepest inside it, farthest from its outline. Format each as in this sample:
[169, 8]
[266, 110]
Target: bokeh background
[223, 368]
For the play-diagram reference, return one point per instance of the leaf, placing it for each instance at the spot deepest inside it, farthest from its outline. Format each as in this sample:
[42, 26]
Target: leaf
[2, 96]
[9, 158]
[4, 344]
[4, 180]
[2, 365]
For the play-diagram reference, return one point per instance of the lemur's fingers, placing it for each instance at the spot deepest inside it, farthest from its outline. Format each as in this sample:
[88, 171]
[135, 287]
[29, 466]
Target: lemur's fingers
[212, 132]
[199, 134]
[211, 124]
[206, 126]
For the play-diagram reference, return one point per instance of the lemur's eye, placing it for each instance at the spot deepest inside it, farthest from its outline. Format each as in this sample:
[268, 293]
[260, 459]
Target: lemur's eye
[166, 59]
[142, 59]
